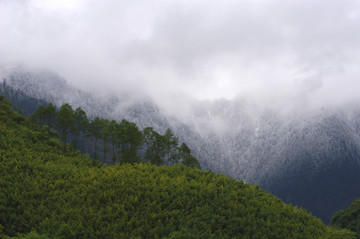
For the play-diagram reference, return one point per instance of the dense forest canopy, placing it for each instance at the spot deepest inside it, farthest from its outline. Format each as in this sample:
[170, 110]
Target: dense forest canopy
[348, 218]
[48, 191]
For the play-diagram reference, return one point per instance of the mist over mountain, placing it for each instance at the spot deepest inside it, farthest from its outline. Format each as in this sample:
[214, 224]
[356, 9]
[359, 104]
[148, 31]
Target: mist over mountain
[307, 158]
[271, 52]
[263, 91]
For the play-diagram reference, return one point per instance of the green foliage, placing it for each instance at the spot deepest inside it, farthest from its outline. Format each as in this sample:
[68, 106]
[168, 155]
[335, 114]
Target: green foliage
[65, 122]
[113, 128]
[81, 125]
[46, 116]
[348, 218]
[155, 146]
[105, 133]
[30, 235]
[20, 101]
[171, 147]
[162, 149]
[188, 159]
[65, 232]
[130, 141]
[340, 234]
[7, 115]
[45, 194]
[95, 131]
[125, 139]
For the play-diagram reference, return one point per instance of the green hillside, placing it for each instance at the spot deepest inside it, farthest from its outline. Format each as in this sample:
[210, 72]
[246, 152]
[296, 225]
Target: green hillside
[47, 193]
[348, 218]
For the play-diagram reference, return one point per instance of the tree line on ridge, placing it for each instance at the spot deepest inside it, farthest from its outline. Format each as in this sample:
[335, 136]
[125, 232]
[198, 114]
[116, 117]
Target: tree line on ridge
[109, 139]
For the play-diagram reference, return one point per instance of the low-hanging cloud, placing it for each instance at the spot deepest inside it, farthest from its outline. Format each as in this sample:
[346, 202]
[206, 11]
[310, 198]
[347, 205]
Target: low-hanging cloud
[269, 51]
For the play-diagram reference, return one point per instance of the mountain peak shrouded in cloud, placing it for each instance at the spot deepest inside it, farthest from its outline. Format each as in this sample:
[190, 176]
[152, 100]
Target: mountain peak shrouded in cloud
[305, 52]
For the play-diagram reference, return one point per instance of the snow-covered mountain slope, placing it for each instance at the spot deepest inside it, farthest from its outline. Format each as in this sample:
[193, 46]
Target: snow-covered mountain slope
[311, 159]
[53, 88]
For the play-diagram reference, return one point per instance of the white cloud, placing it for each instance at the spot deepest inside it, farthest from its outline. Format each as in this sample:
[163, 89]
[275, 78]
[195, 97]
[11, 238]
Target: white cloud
[207, 49]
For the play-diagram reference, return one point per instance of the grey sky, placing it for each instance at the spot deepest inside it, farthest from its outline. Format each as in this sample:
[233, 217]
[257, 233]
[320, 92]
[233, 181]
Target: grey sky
[303, 50]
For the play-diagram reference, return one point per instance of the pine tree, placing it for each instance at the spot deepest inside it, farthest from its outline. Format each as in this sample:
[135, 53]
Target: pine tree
[105, 133]
[95, 130]
[187, 158]
[81, 125]
[113, 127]
[39, 115]
[154, 143]
[65, 122]
[49, 114]
[130, 140]
[171, 144]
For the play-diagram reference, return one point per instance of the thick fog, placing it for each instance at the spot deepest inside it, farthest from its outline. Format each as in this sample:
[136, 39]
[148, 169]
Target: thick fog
[302, 52]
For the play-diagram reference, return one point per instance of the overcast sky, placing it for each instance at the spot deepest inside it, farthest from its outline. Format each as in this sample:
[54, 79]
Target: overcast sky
[306, 50]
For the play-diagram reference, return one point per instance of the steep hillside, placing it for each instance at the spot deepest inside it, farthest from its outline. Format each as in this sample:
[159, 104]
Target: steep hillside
[47, 194]
[310, 159]
[348, 218]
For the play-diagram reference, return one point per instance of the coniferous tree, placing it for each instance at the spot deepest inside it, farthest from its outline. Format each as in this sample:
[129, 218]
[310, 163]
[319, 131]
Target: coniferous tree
[65, 122]
[148, 141]
[187, 158]
[95, 130]
[170, 147]
[49, 114]
[154, 146]
[113, 127]
[105, 133]
[120, 139]
[81, 126]
[130, 141]
[39, 115]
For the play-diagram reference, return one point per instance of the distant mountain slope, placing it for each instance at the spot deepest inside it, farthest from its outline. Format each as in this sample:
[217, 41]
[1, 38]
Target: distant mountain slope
[51, 87]
[310, 159]
[21, 101]
[319, 167]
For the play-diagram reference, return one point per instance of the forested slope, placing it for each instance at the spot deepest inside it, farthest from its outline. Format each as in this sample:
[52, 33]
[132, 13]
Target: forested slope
[47, 193]
[348, 218]
[307, 158]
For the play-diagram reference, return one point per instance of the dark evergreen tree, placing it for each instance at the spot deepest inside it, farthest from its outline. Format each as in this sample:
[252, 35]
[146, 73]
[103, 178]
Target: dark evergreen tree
[113, 128]
[49, 114]
[105, 133]
[39, 115]
[170, 147]
[130, 139]
[81, 126]
[95, 131]
[187, 158]
[155, 146]
[65, 122]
